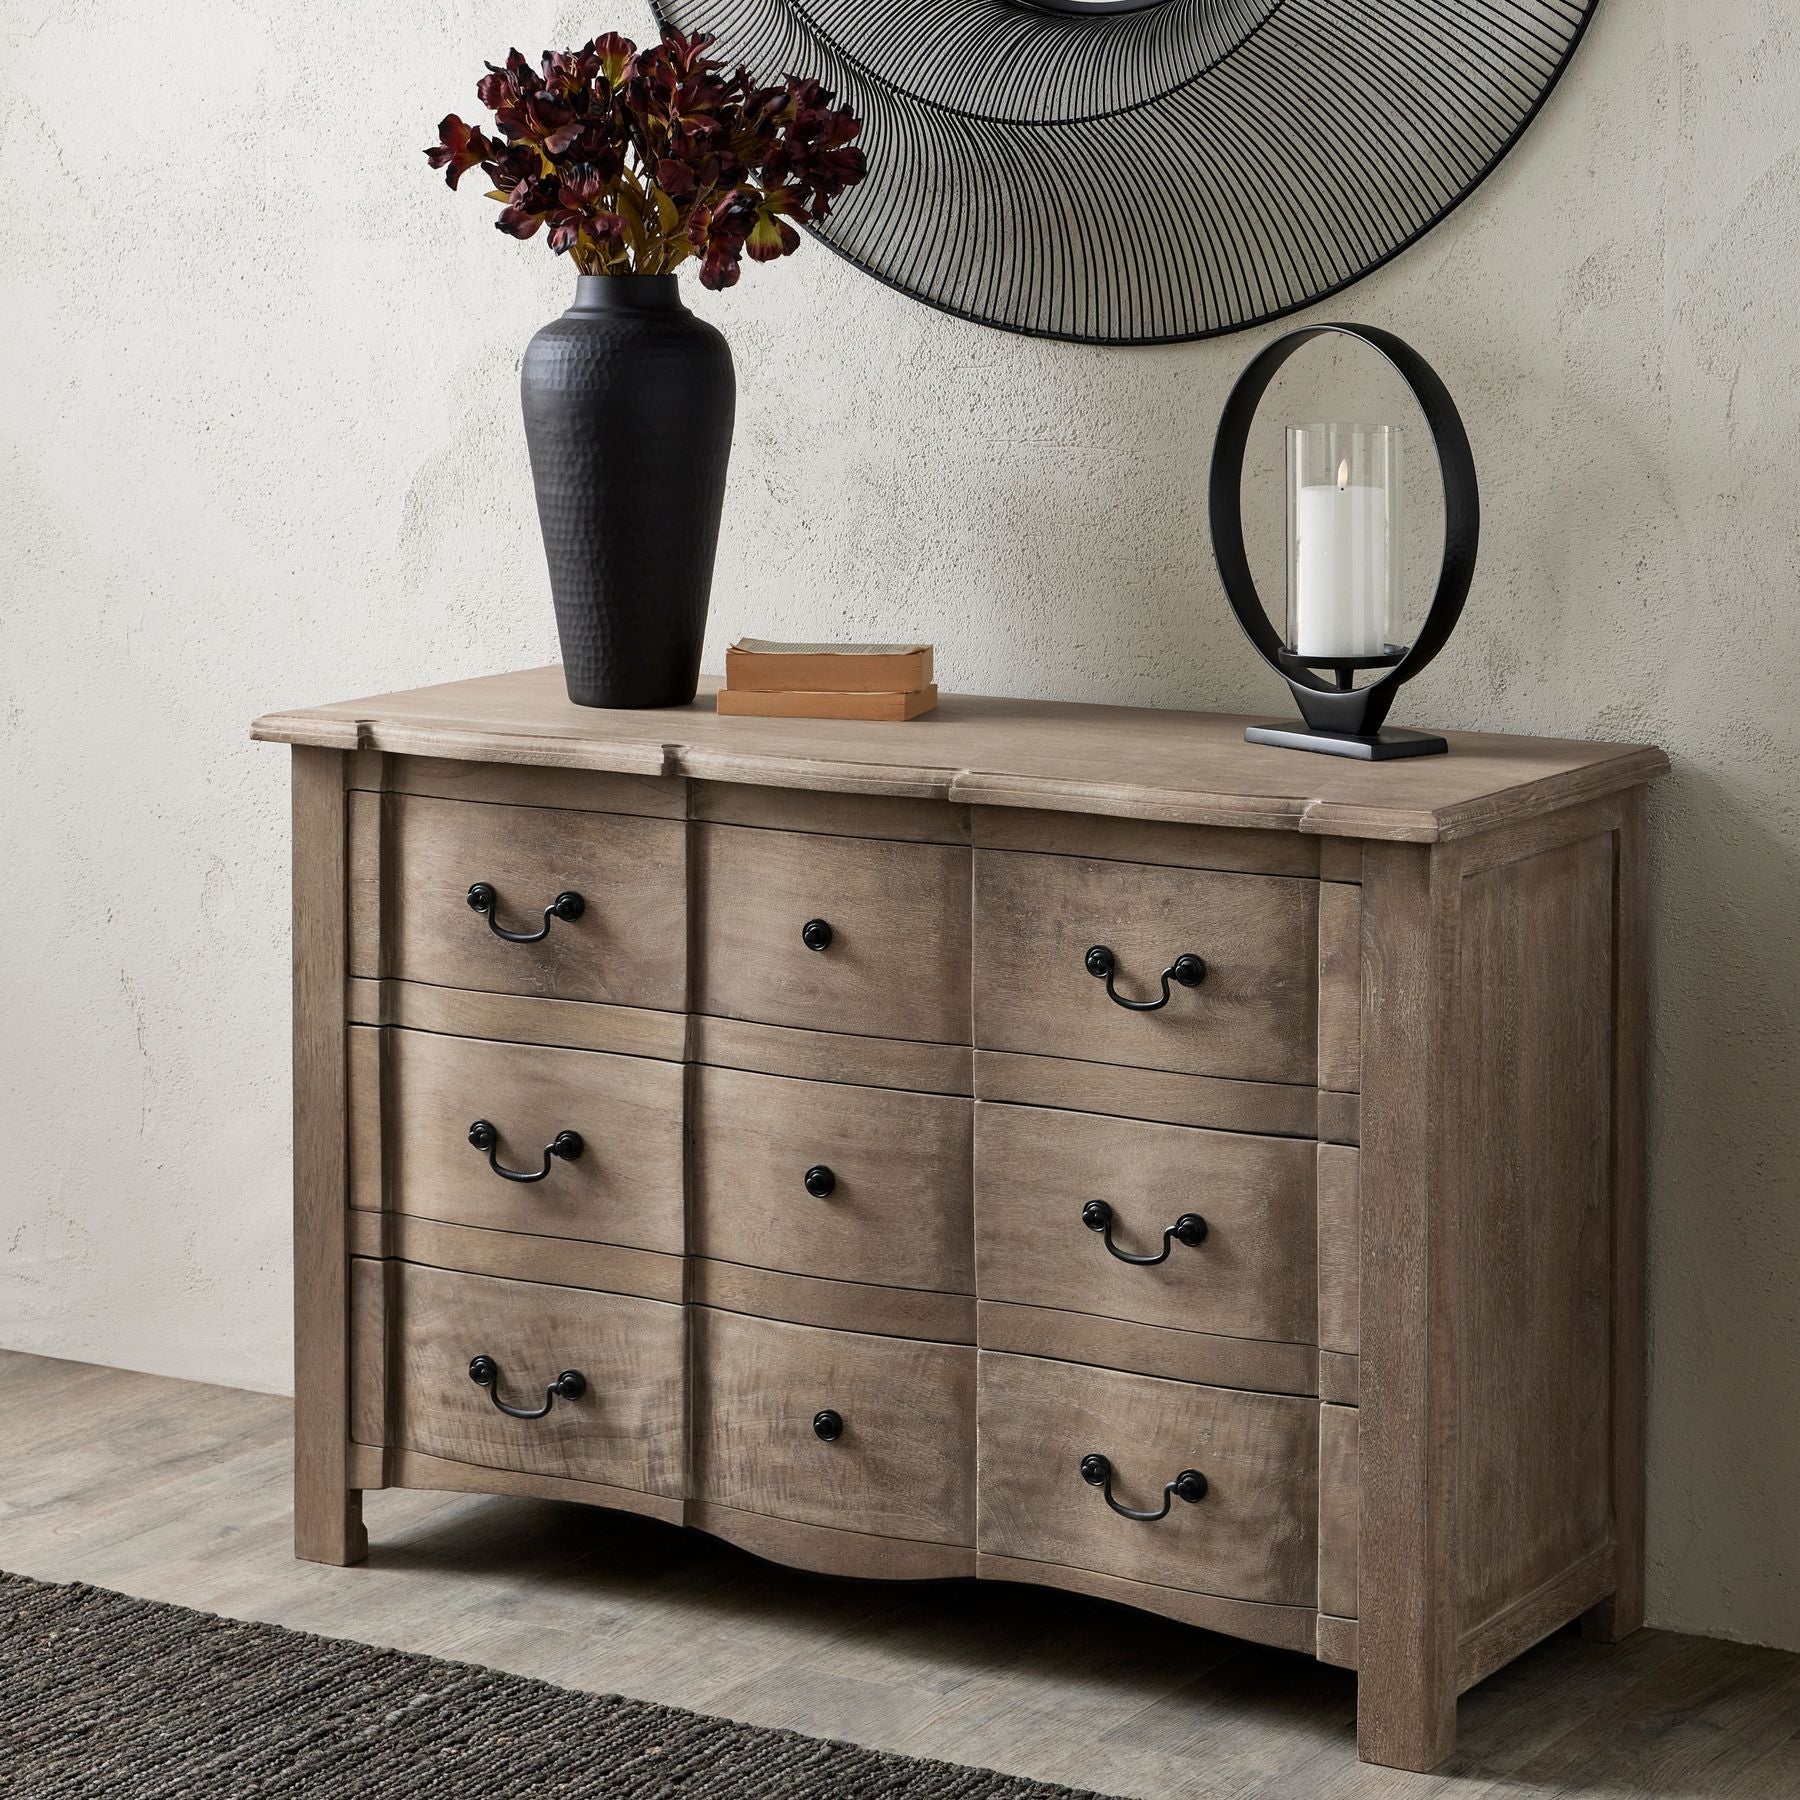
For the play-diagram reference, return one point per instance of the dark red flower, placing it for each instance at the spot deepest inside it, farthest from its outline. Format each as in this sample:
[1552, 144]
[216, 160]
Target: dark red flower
[635, 161]
[458, 149]
[526, 208]
[503, 87]
[719, 267]
[554, 127]
[675, 178]
[615, 54]
[512, 163]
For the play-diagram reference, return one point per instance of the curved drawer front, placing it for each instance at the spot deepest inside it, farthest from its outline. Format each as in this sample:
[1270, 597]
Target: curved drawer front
[895, 962]
[627, 1430]
[1253, 1536]
[903, 1463]
[623, 1184]
[1253, 1015]
[890, 1170]
[627, 947]
[1251, 1275]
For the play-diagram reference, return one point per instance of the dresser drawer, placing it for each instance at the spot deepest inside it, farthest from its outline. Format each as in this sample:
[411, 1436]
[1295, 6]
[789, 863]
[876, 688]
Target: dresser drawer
[903, 1461]
[1042, 1176]
[419, 1329]
[821, 1178]
[1251, 1536]
[415, 859]
[1253, 1015]
[416, 1097]
[893, 957]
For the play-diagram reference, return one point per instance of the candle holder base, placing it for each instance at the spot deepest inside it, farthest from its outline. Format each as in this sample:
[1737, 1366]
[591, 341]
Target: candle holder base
[1291, 660]
[1344, 669]
[1382, 746]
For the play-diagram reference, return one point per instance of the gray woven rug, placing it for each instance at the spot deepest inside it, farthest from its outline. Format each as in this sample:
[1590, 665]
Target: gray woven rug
[106, 1695]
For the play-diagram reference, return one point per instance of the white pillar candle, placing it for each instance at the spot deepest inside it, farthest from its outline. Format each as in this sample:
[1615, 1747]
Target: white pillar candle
[1341, 569]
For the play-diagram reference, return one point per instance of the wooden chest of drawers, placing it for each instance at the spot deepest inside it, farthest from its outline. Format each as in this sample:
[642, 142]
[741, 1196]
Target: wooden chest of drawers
[1048, 1143]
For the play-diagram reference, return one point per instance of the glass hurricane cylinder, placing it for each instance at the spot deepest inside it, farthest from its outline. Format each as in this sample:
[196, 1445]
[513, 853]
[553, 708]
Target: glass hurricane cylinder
[1345, 546]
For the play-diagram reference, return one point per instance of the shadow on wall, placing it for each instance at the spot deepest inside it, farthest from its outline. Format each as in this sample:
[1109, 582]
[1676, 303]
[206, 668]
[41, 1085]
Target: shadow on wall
[1725, 1213]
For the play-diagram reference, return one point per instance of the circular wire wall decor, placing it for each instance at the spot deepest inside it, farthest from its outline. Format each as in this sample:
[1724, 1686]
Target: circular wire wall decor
[1147, 171]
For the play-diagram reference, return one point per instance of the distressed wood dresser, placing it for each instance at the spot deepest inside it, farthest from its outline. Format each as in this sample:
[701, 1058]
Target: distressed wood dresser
[1055, 1143]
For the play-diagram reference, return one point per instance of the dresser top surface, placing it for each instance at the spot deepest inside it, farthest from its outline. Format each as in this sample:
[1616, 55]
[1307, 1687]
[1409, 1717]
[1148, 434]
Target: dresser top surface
[1129, 762]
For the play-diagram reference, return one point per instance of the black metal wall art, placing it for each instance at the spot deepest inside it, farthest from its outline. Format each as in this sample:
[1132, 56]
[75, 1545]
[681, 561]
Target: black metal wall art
[1146, 171]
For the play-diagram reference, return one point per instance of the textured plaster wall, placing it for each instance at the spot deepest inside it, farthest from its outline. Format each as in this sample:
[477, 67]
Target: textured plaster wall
[261, 446]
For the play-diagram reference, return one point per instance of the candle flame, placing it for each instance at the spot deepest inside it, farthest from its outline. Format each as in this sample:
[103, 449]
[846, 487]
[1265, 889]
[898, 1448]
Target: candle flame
[1344, 473]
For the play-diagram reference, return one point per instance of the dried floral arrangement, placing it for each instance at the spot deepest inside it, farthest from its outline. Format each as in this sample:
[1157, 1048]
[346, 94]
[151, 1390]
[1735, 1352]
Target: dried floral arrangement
[637, 160]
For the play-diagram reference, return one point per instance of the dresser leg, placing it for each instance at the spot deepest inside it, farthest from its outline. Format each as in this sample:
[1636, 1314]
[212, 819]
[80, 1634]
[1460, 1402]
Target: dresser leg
[1615, 1618]
[1406, 1723]
[328, 1528]
[327, 1509]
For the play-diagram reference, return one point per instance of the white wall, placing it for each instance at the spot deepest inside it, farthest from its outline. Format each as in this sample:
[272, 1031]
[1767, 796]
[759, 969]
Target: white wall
[262, 447]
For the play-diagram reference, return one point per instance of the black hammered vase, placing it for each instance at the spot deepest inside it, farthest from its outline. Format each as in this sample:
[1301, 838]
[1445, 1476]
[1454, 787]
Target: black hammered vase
[629, 401]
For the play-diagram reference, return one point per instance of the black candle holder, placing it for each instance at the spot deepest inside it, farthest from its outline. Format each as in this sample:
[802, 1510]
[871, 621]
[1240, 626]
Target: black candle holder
[1340, 718]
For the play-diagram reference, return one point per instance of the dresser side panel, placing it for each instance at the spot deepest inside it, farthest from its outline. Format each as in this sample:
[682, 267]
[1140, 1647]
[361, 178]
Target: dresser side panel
[1621, 1612]
[1535, 978]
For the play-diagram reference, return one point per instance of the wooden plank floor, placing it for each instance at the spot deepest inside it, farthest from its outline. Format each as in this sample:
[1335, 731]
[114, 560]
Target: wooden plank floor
[179, 1492]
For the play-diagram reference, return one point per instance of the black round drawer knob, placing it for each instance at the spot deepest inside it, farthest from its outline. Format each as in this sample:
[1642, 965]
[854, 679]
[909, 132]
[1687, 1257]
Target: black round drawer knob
[821, 1183]
[815, 934]
[828, 1425]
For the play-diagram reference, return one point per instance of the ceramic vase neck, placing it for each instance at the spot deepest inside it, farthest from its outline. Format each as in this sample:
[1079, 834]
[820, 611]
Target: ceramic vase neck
[627, 293]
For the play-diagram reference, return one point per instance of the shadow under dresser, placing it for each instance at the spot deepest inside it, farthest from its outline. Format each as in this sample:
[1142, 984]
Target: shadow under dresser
[1054, 1143]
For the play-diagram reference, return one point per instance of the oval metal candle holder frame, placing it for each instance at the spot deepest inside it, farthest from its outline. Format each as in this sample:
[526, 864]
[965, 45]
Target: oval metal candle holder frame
[1340, 719]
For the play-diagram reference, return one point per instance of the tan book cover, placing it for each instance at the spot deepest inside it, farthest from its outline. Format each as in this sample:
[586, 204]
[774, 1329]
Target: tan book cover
[756, 665]
[755, 704]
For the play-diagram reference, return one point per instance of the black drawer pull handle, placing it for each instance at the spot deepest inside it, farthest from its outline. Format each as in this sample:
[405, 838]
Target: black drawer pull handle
[820, 1182]
[571, 1384]
[1187, 969]
[828, 1426]
[1190, 1228]
[485, 900]
[815, 934]
[566, 1145]
[1189, 1485]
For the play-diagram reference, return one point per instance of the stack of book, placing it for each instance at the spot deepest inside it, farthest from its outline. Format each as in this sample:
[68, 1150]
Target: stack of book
[827, 681]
